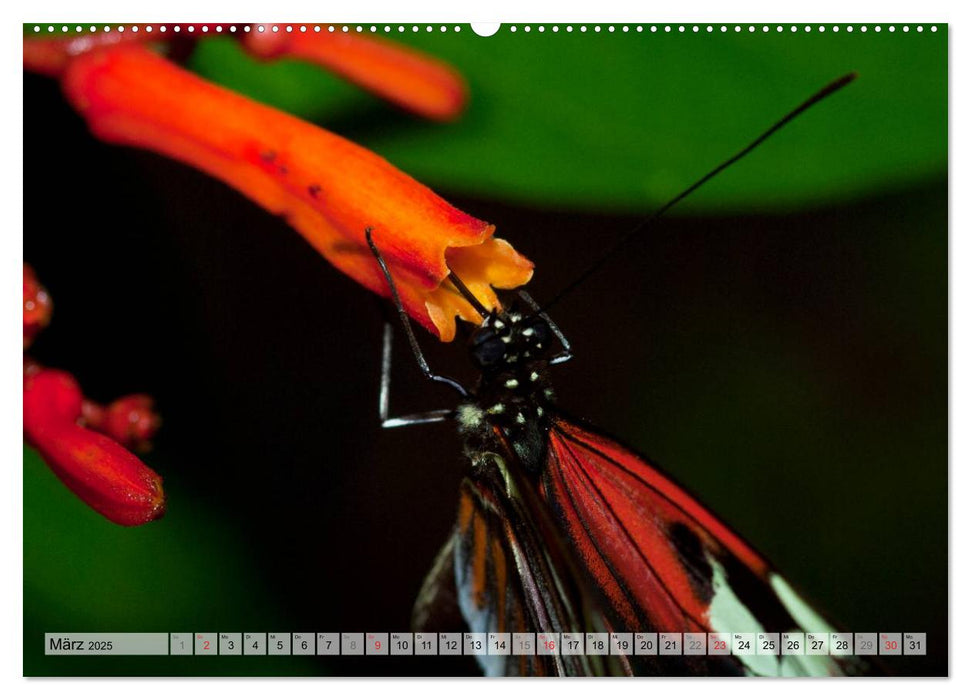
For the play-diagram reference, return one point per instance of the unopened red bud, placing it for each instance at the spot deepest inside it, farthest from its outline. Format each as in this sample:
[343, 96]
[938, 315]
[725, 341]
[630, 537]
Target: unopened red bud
[52, 399]
[92, 415]
[102, 473]
[31, 367]
[132, 421]
[37, 306]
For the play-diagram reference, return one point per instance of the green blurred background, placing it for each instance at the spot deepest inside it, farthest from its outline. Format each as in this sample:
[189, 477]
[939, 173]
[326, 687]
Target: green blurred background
[778, 343]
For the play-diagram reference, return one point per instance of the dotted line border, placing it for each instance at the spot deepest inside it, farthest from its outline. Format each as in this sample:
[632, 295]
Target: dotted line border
[512, 28]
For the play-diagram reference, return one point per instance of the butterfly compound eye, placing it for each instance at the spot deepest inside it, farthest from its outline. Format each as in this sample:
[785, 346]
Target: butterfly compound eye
[538, 331]
[487, 348]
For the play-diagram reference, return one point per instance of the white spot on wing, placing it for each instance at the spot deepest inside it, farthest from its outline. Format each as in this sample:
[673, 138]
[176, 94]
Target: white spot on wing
[728, 614]
[479, 619]
[807, 618]
[809, 666]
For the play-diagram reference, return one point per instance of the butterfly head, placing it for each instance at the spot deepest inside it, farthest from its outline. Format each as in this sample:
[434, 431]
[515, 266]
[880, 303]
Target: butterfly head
[510, 339]
[512, 349]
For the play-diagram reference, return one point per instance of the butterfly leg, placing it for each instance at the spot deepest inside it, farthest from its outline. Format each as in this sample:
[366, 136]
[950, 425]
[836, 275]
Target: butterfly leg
[564, 355]
[384, 398]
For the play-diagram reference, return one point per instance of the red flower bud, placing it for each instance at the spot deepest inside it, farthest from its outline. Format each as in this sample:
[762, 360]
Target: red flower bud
[132, 421]
[92, 415]
[37, 306]
[52, 400]
[97, 469]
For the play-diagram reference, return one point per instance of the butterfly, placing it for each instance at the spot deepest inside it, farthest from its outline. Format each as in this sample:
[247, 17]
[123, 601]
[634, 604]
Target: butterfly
[561, 528]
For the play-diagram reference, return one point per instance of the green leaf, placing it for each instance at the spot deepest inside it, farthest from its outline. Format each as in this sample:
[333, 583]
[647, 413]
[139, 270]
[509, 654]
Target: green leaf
[622, 121]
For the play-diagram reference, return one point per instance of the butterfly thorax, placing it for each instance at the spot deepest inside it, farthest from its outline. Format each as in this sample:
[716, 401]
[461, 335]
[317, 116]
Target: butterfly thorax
[513, 400]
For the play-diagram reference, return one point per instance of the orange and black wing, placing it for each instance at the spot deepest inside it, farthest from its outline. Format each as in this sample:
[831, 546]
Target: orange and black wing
[662, 562]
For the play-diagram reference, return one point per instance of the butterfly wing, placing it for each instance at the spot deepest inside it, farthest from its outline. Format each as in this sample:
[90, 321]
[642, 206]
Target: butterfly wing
[662, 562]
[511, 575]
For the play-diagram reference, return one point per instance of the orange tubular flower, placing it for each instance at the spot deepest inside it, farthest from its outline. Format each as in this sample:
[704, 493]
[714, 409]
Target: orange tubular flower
[409, 79]
[326, 187]
[51, 56]
[97, 469]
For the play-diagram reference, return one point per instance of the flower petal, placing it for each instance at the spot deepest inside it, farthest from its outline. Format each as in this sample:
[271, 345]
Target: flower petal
[409, 78]
[327, 188]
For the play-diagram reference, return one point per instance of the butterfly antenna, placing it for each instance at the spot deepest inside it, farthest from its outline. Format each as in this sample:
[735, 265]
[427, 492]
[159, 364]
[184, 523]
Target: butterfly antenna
[467, 293]
[623, 240]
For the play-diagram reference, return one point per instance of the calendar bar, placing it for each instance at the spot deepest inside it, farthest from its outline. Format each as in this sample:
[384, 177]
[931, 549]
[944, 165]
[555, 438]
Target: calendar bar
[374, 644]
